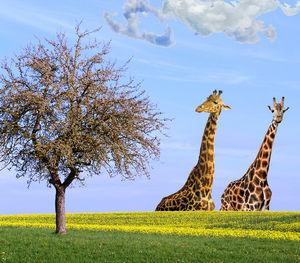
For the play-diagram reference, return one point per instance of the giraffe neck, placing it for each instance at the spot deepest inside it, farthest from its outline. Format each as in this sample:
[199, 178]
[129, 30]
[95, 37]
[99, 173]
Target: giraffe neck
[262, 161]
[207, 152]
[204, 170]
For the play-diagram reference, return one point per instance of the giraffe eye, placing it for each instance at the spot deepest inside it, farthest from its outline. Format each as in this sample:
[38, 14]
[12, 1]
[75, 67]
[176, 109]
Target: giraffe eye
[215, 102]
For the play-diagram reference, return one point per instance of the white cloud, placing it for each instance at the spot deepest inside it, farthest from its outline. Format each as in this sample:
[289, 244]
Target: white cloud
[290, 11]
[132, 9]
[236, 19]
[250, 34]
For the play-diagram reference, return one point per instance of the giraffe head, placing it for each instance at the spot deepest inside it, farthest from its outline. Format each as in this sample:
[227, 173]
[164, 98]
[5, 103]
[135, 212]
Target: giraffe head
[278, 110]
[213, 104]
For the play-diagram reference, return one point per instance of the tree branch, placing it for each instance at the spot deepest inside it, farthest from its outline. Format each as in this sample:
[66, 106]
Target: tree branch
[70, 178]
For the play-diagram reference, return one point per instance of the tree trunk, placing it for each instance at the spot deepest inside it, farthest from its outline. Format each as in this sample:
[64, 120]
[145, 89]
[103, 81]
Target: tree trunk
[60, 210]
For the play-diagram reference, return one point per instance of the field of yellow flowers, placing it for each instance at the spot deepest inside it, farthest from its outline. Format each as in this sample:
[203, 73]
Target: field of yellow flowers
[260, 225]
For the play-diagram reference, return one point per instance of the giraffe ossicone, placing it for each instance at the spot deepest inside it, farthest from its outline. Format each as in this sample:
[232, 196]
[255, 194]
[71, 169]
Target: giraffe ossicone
[252, 192]
[196, 192]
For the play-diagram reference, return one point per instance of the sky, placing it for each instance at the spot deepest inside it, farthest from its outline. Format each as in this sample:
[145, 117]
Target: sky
[181, 50]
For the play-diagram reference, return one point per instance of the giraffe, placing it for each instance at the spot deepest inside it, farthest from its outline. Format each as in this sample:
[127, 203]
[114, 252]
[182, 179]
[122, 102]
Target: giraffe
[251, 192]
[196, 193]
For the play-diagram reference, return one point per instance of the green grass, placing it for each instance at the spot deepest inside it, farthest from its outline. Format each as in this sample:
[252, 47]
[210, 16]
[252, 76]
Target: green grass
[156, 237]
[42, 245]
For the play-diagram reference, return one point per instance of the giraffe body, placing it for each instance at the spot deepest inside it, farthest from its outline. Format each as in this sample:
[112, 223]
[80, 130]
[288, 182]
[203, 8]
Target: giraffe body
[196, 192]
[252, 192]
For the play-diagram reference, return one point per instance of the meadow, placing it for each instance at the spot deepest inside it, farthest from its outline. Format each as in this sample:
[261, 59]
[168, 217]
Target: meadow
[153, 237]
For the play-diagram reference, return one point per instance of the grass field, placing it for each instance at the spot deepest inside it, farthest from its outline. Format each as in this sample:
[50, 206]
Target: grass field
[153, 237]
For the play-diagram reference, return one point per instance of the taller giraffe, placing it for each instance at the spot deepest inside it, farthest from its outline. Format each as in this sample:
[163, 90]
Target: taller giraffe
[251, 192]
[196, 193]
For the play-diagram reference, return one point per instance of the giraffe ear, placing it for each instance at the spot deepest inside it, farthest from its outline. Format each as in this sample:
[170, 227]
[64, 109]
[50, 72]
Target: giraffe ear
[270, 108]
[286, 109]
[226, 107]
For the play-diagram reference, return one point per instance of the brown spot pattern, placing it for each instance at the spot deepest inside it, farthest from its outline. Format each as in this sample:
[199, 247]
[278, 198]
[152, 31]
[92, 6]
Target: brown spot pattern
[196, 193]
[251, 192]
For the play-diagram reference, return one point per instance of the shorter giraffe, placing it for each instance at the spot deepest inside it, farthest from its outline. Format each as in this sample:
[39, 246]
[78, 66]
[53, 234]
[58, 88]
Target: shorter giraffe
[196, 192]
[251, 192]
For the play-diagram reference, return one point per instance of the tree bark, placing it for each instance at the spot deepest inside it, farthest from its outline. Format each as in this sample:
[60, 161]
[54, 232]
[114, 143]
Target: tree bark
[60, 210]
[60, 198]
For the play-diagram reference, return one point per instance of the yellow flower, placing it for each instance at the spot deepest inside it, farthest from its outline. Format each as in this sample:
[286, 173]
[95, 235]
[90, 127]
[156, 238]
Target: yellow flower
[262, 225]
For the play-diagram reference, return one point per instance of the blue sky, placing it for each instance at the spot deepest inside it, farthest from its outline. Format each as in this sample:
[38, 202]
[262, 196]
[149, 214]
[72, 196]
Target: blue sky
[248, 49]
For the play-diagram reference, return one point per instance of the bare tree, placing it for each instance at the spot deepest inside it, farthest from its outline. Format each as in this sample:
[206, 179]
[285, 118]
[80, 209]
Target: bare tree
[66, 112]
